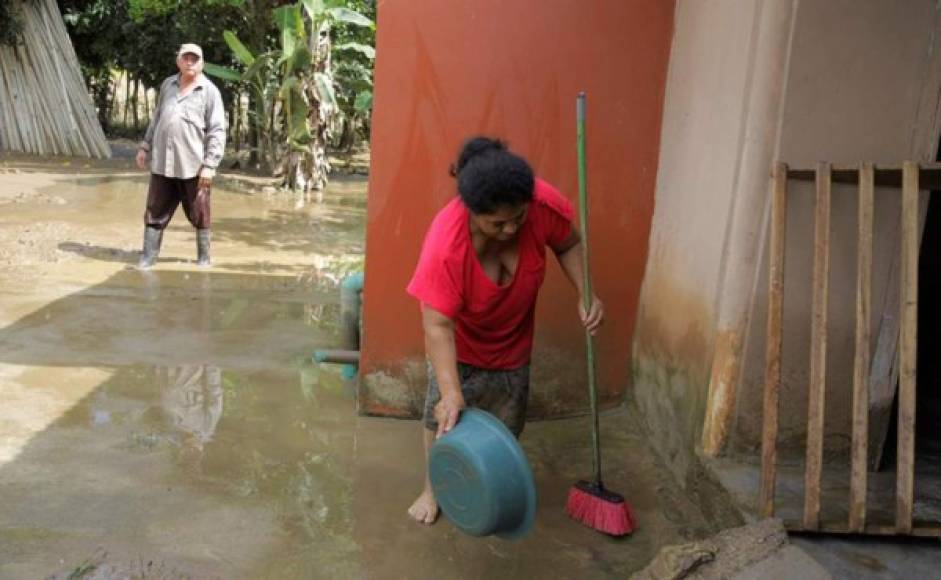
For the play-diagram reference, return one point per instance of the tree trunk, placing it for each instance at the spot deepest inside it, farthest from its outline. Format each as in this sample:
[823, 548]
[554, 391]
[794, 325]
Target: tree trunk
[100, 90]
[318, 169]
[146, 106]
[111, 90]
[134, 104]
[269, 159]
[127, 92]
[236, 119]
[259, 15]
[348, 135]
[254, 140]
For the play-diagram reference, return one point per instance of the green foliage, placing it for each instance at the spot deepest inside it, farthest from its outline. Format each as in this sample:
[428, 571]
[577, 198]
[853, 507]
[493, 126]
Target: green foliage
[248, 45]
[289, 22]
[314, 8]
[140, 10]
[364, 49]
[353, 58]
[363, 102]
[239, 49]
[11, 23]
[325, 89]
[142, 36]
[343, 14]
[221, 72]
[292, 91]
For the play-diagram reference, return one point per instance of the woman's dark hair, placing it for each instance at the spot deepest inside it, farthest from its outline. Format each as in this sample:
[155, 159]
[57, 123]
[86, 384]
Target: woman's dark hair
[489, 176]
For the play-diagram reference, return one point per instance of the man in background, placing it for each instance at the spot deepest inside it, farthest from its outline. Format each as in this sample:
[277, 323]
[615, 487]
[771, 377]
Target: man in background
[185, 142]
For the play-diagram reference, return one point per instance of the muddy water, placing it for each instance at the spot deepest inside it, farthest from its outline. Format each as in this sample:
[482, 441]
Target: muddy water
[170, 424]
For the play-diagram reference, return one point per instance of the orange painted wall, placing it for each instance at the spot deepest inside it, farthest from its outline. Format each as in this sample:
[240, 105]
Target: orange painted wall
[512, 69]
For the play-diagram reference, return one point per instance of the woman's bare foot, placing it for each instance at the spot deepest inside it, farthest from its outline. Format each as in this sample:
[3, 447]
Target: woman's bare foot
[425, 508]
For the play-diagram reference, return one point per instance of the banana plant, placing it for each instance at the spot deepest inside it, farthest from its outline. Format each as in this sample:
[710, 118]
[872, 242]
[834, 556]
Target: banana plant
[312, 100]
[259, 76]
[294, 89]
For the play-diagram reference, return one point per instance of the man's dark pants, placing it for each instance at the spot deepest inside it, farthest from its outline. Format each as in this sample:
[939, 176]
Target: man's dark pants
[166, 193]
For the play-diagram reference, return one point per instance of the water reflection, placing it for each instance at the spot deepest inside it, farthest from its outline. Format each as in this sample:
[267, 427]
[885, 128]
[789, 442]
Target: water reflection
[279, 441]
[192, 399]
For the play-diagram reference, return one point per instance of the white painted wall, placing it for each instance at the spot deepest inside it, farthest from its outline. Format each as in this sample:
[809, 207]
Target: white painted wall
[708, 86]
[863, 85]
[751, 81]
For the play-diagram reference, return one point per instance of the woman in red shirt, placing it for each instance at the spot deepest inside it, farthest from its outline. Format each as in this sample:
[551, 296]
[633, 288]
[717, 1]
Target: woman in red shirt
[481, 266]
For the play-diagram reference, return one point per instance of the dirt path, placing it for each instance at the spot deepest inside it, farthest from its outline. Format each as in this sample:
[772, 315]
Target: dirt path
[170, 424]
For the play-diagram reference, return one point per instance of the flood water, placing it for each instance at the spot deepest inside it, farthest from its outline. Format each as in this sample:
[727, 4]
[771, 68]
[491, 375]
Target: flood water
[171, 424]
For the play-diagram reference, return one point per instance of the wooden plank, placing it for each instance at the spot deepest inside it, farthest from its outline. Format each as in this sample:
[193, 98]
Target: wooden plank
[769, 435]
[884, 373]
[885, 175]
[818, 350]
[44, 105]
[858, 471]
[905, 469]
[921, 531]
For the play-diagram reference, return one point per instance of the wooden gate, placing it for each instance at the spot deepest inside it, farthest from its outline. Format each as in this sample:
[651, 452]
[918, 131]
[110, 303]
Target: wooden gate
[867, 176]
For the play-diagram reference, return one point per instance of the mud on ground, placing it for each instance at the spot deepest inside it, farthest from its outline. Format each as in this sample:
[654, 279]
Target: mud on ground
[171, 424]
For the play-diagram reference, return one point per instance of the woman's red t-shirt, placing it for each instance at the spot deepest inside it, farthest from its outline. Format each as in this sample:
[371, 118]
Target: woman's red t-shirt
[493, 324]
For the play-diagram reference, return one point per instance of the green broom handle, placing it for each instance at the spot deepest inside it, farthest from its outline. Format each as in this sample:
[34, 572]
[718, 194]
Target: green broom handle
[586, 277]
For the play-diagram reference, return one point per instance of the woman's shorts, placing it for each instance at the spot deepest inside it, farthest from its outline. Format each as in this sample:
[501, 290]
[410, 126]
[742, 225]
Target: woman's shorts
[504, 393]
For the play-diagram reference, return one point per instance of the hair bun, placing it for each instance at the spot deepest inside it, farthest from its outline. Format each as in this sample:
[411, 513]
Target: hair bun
[472, 148]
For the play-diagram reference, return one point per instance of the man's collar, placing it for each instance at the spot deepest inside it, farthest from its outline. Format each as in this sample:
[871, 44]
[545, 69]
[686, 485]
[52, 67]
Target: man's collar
[200, 81]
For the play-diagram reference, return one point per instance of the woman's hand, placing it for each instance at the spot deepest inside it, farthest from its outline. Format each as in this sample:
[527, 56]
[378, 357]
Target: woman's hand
[594, 318]
[141, 159]
[447, 412]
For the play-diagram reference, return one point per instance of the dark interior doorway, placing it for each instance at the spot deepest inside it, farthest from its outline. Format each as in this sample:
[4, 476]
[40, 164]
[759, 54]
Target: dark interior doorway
[928, 384]
[928, 397]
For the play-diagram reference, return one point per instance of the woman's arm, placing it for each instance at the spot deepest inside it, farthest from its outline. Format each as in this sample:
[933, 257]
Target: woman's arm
[569, 254]
[439, 346]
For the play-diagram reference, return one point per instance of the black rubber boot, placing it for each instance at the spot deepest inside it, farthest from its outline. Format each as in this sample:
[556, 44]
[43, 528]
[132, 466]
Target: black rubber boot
[152, 239]
[202, 248]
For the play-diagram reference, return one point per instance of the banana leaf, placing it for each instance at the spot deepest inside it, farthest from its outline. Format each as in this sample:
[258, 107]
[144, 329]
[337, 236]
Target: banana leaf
[300, 61]
[325, 89]
[287, 86]
[288, 19]
[350, 17]
[298, 129]
[221, 72]
[350, 71]
[363, 102]
[314, 8]
[242, 53]
[364, 49]
[257, 66]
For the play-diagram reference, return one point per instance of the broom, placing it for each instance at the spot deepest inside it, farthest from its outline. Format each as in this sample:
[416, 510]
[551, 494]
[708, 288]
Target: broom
[589, 502]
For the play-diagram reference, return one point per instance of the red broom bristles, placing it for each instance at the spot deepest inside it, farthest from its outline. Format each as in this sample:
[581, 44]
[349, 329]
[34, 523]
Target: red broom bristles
[599, 509]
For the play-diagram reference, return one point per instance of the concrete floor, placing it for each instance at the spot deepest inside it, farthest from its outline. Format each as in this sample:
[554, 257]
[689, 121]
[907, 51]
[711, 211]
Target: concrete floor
[856, 557]
[170, 424]
[870, 558]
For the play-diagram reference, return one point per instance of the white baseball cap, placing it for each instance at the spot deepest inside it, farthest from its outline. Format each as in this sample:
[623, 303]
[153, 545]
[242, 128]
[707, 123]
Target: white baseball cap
[190, 48]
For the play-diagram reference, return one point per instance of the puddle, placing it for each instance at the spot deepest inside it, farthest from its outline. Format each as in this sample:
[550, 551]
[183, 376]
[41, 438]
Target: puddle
[171, 424]
[191, 462]
[96, 222]
[220, 472]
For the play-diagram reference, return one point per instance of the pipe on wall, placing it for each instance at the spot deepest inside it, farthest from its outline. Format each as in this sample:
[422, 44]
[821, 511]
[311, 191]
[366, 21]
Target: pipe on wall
[351, 292]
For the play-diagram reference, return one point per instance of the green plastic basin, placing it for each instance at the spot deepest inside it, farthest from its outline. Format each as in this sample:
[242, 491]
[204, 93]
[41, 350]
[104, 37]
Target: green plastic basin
[481, 478]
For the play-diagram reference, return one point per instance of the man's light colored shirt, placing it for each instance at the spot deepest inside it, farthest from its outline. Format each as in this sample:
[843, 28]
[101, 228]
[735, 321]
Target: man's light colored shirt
[186, 136]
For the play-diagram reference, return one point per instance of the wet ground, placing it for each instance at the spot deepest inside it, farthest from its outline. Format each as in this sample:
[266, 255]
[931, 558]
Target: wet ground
[170, 423]
[843, 556]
